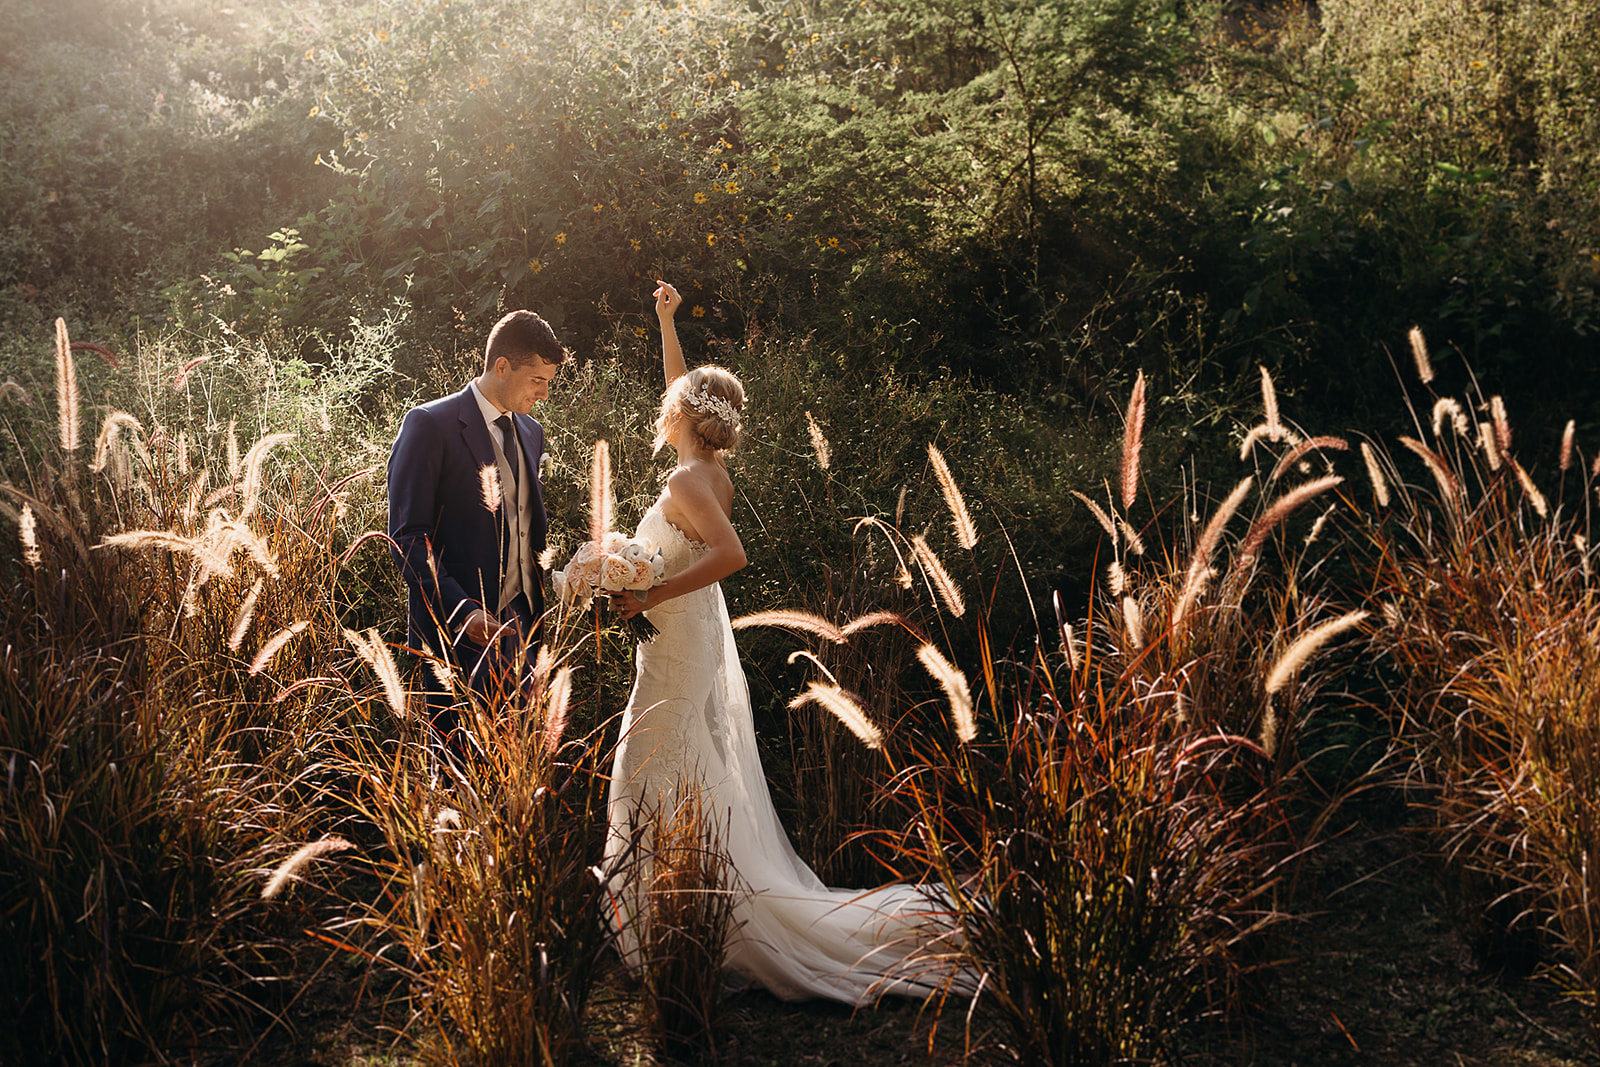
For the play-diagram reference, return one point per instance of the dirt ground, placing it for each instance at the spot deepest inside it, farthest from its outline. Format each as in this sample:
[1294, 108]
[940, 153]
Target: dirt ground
[1376, 975]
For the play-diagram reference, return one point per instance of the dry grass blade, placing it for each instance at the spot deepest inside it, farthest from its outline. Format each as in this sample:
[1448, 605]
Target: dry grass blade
[844, 707]
[1299, 451]
[954, 684]
[1132, 442]
[290, 868]
[600, 492]
[966, 530]
[940, 578]
[1295, 656]
[9, 389]
[803, 621]
[68, 401]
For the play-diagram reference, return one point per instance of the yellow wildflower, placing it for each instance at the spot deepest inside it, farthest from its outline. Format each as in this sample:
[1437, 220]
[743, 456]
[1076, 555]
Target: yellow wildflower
[561, 238]
[699, 312]
[699, 198]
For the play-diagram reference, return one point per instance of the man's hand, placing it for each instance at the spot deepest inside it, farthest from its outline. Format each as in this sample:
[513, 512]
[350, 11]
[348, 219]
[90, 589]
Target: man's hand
[482, 628]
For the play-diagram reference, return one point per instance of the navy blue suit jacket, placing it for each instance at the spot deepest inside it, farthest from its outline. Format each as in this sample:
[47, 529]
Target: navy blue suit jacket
[446, 542]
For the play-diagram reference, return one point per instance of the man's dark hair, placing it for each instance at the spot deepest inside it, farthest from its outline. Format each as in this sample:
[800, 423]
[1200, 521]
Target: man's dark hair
[519, 336]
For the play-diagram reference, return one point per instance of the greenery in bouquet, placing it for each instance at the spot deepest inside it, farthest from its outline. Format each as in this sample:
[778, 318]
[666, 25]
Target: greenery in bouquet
[614, 564]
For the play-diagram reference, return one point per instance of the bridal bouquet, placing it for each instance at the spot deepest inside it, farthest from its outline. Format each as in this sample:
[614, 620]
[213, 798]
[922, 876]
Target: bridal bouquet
[617, 564]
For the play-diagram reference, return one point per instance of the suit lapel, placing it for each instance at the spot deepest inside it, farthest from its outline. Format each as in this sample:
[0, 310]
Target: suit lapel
[474, 432]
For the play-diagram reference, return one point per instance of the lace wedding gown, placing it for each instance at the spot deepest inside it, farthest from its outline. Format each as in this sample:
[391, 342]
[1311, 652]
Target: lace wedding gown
[688, 719]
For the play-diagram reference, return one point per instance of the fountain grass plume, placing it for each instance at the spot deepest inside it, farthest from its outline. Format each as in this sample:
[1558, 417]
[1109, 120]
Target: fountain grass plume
[600, 492]
[1099, 514]
[290, 868]
[1132, 442]
[1269, 403]
[938, 577]
[1282, 508]
[1306, 645]
[370, 647]
[960, 518]
[68, 400]
[1419, 355]
[842, 706]
[802, 621]
[489, 487]
[819, 443]
[954, 684]
[1380, 485]
[276, 642]
[1447, 408]
[244, 616]
[1449, 487]
[1299, 452]
[1199, 569]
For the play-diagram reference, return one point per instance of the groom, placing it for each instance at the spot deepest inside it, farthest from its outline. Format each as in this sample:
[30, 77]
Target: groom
[466, 514]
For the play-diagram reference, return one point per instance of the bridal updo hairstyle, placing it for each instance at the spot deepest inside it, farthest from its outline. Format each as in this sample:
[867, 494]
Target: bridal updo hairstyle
[711, 400]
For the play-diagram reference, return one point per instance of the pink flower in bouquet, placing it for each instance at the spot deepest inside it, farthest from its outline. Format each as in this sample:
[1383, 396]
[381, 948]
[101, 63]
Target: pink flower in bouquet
[616, 574]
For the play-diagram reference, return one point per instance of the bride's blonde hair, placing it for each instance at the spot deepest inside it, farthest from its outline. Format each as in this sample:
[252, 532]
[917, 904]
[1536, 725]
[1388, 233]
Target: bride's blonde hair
[711, 400]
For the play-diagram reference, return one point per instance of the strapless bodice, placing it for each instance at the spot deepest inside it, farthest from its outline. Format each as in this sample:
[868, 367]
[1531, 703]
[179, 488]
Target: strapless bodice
[678, 549]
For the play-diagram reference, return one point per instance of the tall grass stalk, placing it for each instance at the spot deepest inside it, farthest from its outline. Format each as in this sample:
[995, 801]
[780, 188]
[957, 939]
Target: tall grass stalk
[1491, 618]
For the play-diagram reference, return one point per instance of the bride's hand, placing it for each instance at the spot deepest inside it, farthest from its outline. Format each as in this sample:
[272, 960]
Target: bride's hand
[628, 604]
[667, 300]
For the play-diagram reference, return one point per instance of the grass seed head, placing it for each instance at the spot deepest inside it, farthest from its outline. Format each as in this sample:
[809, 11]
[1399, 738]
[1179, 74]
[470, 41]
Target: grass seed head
[966, 530]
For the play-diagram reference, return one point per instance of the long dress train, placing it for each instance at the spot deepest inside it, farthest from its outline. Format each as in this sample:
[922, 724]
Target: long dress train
[689, 718]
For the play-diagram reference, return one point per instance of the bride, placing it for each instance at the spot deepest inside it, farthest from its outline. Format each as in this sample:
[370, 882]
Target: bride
[688, 720]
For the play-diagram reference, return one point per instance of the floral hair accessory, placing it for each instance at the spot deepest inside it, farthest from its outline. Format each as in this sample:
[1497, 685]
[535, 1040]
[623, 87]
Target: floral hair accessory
[703, 399]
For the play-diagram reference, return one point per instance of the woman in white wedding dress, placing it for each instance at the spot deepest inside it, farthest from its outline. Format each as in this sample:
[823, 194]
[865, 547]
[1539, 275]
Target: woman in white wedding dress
[688, 719]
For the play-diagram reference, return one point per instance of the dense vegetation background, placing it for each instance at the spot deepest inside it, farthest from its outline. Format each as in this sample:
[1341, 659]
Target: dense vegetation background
[972, 224]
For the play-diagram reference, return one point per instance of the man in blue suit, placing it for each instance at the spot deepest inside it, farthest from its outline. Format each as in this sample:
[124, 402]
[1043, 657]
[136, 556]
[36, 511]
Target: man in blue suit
[467, 518]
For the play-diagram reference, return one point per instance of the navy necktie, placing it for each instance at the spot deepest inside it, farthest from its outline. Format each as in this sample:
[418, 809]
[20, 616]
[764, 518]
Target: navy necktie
[508, 435]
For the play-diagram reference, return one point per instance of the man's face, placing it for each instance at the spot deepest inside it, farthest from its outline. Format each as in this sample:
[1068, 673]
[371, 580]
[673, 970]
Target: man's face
[525, 384]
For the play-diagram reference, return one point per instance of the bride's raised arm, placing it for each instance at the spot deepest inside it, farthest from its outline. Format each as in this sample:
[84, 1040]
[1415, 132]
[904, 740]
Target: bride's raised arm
[667, 304]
